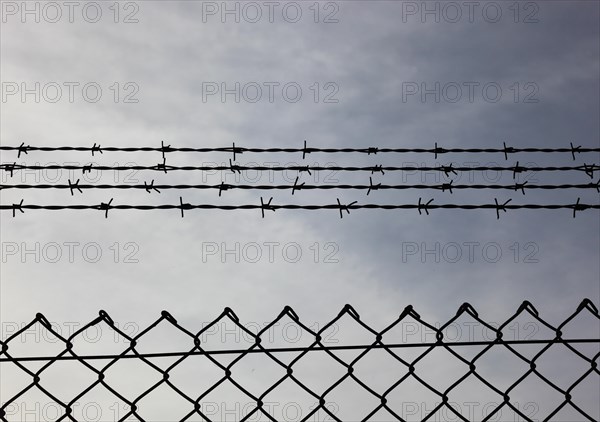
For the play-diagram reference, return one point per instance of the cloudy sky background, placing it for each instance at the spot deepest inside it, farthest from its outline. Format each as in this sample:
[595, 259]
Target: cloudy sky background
[368, 54]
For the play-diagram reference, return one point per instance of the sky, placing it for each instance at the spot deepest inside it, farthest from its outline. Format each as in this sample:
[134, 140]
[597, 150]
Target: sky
[370, 74]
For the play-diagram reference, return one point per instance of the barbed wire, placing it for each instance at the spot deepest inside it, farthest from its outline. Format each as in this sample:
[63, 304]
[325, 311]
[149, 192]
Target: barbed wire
[149, 187]
[268, 206]
[447, 170]
[410, 368]
[506, 150]
[235, 168]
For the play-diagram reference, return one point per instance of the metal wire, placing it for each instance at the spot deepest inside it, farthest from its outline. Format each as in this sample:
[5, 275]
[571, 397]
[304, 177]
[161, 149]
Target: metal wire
[410, 368]
[234, 168]
[149, 187]
[447, 170]
[24, 149]
[268, 206]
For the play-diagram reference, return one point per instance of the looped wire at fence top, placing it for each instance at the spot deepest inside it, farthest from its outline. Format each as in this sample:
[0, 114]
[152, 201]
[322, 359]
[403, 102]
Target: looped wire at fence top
[471, 357]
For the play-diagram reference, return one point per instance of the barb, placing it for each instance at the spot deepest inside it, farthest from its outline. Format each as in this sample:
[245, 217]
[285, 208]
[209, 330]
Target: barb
[425, 207]
[507, 150]
[344, 207]
[149, 187]
[448, 169]
[305, 151]
[517, 169]
[437, 151]
[22, 149]
[235, 150]
[234, 168]
[266, 206]
[500, 207]
[579, 207]
[378, 168]
[183, 206]
[18, 207]
[159, 167]
[566, 390]
[96, 149]
[223, 187]
[306, 169]
[575, 150]
[296, 186]
[520, 186]
[372, 186]
[10, 168]
[105, 207]
[74, 186]
[165, 148]
[447, 186]
[589, 170]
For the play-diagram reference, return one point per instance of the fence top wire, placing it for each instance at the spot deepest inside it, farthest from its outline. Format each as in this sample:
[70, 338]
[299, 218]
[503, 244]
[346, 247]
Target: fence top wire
[436, 150]
[410, 367]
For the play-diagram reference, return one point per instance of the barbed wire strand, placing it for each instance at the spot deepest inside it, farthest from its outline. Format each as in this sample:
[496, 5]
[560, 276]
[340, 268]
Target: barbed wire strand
[234, 168]
[149, 187]
[506, 150]
[268, 206]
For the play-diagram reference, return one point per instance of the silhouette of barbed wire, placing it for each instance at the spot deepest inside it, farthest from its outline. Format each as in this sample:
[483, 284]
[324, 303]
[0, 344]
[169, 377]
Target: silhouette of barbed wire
[436, 150]
[163, 167]
[149, 187]
[268, 206]
[235, 168]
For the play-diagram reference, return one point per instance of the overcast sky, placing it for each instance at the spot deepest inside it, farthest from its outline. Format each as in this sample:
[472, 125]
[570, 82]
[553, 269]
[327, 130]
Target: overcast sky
[355, 63]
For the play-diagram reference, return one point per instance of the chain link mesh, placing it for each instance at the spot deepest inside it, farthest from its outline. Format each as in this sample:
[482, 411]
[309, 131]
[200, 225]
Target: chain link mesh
[408, 370]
